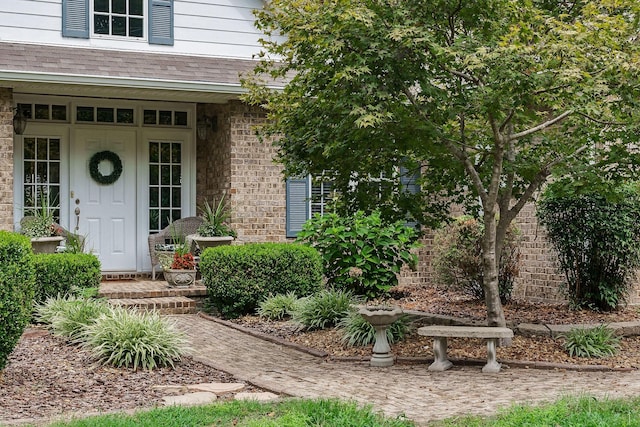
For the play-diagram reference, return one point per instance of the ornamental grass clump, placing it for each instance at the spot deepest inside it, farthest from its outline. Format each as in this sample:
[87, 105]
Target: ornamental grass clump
[598, 342]
[137, 340]
[323, 309]
[277, 307]
[356, 331]
[69, 316]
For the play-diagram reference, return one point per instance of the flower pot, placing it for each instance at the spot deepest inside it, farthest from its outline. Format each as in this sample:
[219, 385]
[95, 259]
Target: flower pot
[180, 278]
[209, 242]
[45, 245]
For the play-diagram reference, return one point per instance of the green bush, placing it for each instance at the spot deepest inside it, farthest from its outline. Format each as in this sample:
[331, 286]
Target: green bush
[597, 238]
[65, 273]
[361, 253]
[277, 307]
[457, 258]
[323, 309]
[124, 338]
[356, 331]
[17, 280]
[239, 277]
[69, 316]
[600, 341]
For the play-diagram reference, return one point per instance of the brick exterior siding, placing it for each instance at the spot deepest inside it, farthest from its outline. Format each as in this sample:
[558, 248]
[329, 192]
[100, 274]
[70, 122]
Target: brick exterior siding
[6, 159]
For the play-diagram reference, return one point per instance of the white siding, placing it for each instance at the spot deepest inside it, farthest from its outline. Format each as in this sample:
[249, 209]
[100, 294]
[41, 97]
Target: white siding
[221, 28]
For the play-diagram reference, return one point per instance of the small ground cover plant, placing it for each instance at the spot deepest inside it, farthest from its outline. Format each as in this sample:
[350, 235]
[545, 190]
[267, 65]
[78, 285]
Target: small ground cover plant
[600, 341]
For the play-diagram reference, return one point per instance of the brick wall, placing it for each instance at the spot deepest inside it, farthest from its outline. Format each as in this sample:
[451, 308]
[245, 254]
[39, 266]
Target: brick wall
[236, 162]
[233, 160]
[6, 159]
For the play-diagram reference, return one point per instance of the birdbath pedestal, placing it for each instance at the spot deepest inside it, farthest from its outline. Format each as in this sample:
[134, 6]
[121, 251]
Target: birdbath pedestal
[380, 318]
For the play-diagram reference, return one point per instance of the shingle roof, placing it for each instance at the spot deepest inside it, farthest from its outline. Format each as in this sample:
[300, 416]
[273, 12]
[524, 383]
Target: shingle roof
[74, 71]
[111, 63]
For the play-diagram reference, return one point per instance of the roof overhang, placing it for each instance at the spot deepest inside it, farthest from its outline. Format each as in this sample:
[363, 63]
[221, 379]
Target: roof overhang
[119, 87]
[69, 71]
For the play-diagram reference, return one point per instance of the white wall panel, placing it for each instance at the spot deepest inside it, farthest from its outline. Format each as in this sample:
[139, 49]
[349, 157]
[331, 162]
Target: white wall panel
[219, 28]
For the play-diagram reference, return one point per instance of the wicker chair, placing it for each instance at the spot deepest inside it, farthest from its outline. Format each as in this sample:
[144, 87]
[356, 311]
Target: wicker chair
[182, 227]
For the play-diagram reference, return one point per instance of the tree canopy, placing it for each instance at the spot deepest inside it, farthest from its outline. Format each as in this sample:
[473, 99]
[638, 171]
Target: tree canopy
[489, 98]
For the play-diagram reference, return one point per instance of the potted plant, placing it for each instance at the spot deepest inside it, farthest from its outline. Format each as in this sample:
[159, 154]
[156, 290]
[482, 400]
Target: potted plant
[215, 230]
[45, 234]
[179, 267]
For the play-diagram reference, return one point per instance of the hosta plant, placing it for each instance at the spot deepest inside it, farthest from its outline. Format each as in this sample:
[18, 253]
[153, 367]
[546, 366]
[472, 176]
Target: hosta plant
[136, 340]
[600, 341]
[356, 331]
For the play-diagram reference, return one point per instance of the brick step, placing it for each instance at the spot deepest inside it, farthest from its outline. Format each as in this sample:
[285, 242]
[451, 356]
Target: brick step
[139, 290]
[163, 305]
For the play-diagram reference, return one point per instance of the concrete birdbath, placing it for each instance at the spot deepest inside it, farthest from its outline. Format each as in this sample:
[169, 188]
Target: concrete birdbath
[381, 318]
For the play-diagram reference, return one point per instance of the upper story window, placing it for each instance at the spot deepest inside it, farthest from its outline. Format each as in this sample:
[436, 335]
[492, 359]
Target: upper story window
[118, 18]
[129, 19]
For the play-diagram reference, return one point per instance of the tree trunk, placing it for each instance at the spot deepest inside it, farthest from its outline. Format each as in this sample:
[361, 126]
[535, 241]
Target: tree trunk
[495, 314]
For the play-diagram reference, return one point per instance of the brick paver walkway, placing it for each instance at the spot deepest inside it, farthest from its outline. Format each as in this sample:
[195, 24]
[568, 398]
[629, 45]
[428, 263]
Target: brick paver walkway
[402, 389]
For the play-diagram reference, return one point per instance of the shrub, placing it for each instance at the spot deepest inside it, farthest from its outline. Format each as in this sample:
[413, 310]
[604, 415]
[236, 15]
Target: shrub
[124, 338]
[324, 309]
[66, 273]
[361, 253]
[356, 331]
[277, 307]
[239, 277]
[457, 258]
[17, 280]
[69, 316]
[600, 341]
[597, 238]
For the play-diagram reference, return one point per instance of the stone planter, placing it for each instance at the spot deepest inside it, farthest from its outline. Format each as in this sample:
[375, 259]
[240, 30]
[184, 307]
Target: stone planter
[210, 242]
[45, 245]
[180, 278]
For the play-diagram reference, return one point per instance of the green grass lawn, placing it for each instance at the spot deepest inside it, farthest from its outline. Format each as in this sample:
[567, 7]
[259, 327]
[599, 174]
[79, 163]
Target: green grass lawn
[288, 413]
[567, 412]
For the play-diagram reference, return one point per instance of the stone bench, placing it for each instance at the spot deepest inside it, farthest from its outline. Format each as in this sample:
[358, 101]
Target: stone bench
[441, 333]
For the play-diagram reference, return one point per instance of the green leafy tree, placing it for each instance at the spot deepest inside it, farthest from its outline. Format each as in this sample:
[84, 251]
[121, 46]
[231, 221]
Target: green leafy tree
[488, 98]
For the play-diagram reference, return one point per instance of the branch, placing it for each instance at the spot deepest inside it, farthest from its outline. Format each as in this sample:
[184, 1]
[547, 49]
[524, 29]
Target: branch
[469, 167]
[507, 120]
[601, 122]
[539, 179]
[541, 126]
[466, 76]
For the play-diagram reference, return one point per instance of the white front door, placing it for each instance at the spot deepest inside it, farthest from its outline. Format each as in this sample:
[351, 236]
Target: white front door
[105, 213]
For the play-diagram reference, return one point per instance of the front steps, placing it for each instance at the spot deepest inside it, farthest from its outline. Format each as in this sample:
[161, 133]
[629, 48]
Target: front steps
[154, 295]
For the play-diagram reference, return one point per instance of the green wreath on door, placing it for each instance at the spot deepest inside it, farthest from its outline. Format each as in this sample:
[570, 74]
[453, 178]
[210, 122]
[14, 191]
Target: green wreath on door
[94, 169]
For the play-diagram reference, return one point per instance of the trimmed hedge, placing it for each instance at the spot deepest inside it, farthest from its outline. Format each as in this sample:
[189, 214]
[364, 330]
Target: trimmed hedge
[239, 277]
[61, 274]
[17, 280]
